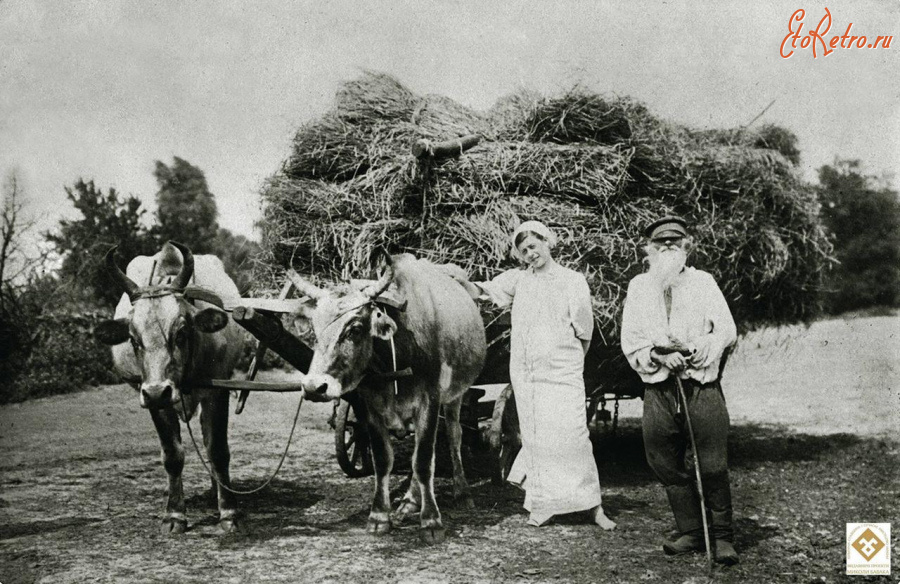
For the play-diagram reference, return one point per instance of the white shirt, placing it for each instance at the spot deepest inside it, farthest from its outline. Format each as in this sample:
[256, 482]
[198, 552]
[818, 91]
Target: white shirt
[699, 316]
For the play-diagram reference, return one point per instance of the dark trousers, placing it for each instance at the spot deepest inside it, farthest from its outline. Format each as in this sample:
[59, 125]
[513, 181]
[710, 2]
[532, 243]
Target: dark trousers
[668, 449]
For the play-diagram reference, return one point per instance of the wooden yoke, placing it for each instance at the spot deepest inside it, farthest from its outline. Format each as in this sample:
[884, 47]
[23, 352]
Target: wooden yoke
[268, 329]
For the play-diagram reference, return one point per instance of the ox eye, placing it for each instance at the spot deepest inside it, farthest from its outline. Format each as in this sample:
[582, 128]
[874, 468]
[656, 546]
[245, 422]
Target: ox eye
[135, 344]
[181, 336]
[354, 331]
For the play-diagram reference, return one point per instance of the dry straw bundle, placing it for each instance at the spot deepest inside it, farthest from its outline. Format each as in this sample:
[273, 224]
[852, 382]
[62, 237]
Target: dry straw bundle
[593, 168]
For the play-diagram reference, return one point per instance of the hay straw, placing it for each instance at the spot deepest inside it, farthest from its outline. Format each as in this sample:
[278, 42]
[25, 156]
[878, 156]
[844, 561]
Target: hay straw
[594, 168]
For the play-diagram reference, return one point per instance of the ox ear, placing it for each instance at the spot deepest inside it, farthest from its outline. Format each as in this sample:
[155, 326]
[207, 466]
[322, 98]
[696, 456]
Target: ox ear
[112, 332]
[210, 320]
[383, 326]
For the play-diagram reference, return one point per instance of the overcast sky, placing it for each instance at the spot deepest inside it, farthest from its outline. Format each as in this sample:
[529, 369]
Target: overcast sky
[101, 90]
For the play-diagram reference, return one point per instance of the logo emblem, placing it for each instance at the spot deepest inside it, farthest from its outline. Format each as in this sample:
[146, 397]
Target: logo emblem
[868, 549]
[868, 544]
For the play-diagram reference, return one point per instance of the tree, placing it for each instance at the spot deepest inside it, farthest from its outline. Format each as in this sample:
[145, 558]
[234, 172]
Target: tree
[106, 220]
[186, 210]
[16, 263]
[16, 266]
[864, 218]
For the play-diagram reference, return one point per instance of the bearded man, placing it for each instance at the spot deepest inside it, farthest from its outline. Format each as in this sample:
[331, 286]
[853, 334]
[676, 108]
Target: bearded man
[677, 322]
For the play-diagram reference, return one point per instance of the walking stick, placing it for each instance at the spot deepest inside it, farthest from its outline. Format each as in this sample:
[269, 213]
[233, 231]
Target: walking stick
[687, 417]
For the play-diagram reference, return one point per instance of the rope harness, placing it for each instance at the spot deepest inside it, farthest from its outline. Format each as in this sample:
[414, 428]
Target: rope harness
[393, 376]
[213, 476]
[191, 293]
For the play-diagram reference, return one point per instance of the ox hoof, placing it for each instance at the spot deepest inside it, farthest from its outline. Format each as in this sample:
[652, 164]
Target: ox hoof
[432, 534]
[231, 525]
[173, 526]
[405, 510]
[376, 527]
[466, 502]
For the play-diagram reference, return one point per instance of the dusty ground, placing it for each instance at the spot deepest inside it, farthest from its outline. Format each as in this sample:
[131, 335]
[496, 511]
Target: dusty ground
[814, 446]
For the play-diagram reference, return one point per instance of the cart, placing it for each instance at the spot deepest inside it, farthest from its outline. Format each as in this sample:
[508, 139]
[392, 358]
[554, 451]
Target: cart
[351, 439]
[488, 414]
[262, 318]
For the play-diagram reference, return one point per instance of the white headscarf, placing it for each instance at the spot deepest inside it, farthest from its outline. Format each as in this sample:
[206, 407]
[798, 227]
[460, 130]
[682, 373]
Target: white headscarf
[535, 227]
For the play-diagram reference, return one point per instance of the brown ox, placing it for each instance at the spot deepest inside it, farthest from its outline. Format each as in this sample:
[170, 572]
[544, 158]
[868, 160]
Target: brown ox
[440, 335]
[162, 343]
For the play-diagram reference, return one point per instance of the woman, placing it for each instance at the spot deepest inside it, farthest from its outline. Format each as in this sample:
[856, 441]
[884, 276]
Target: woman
[551, 331]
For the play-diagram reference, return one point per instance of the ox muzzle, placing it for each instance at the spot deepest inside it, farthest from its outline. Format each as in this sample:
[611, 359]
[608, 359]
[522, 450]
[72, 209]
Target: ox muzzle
[322, 388]
[156, 396]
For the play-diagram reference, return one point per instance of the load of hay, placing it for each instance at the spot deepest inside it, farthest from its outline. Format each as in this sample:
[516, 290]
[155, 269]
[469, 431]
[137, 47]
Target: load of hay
[595, 169]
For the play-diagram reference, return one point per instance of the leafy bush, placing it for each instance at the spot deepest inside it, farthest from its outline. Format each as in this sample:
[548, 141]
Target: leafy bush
[52, 349]
[65, 358]
[238, 255]
[864, 219]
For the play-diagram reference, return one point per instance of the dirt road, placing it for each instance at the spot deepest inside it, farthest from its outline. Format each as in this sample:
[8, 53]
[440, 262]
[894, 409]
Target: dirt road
[82, 489]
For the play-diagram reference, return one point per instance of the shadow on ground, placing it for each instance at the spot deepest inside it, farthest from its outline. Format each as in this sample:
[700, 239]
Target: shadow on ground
[621, 460]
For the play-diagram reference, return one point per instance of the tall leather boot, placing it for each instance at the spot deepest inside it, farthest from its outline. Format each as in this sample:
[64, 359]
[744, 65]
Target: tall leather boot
[686, 508]
[717, 490]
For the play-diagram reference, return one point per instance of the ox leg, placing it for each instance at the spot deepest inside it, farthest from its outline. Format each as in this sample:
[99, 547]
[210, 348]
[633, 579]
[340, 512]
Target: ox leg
[169, 431]
[454, 434]
[411, 503]
[383, 461]
[214, 421]
[432, 530]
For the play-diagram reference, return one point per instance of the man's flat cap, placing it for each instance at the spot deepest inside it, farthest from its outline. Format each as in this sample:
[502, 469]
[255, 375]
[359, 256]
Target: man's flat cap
[668, 226]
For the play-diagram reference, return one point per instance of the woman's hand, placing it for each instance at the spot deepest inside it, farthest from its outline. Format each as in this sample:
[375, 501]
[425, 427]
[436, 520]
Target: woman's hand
[462, 278]
[455, 272]
[472, 289]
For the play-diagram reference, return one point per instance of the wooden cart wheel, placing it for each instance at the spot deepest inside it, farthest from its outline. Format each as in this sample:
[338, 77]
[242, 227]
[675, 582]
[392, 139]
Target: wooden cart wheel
[506, 438]
[351, 441]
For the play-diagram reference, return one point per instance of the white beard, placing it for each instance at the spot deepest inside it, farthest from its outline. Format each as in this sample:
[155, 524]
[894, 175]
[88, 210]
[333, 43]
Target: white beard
[665, 265]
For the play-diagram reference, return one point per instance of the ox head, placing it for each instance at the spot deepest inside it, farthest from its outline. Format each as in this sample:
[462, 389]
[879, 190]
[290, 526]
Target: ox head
[163, 329]
[345, 324]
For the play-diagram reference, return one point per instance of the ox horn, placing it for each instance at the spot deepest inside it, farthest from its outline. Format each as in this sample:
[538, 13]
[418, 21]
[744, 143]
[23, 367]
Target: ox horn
[303, 286]
[187, 266]
[384, 281]
[126, 283]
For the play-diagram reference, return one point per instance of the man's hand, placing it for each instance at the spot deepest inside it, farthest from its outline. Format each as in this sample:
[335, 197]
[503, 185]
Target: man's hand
[674, 360]
[701, 355]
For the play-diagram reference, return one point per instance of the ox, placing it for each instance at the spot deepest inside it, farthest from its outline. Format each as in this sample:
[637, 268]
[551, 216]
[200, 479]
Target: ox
[440, 335]
[162, 343]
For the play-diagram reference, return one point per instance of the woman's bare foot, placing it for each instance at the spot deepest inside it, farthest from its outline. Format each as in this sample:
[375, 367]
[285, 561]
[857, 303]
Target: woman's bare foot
[600, 518]
[539, 520]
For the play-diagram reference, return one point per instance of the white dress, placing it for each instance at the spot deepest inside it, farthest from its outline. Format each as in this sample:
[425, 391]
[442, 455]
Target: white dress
[551, 314]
